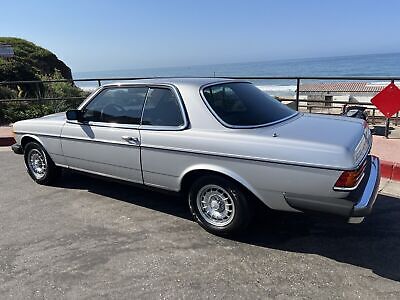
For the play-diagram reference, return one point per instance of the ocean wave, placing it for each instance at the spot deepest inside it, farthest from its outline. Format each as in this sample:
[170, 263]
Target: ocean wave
[277, 88]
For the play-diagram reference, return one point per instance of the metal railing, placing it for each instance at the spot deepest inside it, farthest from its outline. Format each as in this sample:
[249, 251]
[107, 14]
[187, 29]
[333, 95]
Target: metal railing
[298, 102]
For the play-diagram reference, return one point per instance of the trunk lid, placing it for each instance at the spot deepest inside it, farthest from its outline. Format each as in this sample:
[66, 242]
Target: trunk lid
[317, 140]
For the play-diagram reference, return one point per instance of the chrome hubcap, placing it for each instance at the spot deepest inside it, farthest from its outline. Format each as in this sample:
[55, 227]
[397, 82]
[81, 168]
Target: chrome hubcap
[37, 163]
[215, 205]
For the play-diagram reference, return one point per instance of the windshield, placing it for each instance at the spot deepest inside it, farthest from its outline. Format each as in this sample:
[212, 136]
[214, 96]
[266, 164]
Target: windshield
[243, 104]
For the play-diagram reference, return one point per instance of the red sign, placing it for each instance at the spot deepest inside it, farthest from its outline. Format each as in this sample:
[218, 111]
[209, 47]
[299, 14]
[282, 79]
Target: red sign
[388, 100]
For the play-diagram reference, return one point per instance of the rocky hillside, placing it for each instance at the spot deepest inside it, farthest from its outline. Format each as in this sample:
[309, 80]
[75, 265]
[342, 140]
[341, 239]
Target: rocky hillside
[30, 62]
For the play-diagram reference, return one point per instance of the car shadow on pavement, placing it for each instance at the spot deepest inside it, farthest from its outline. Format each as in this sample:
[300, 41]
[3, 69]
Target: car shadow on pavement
[162, 202]
[373, 244]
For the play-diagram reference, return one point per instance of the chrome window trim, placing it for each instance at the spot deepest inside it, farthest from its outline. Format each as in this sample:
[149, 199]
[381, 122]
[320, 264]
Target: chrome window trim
[171, 87]
[296, 113]
[90, 98]
[182, 108]
[104, 124]
[163, 128]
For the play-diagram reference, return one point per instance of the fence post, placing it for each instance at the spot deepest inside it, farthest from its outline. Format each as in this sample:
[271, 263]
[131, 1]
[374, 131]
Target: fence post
[387, 128]
[297, 93]
[373, 116]
[38, 93]
[388, 121]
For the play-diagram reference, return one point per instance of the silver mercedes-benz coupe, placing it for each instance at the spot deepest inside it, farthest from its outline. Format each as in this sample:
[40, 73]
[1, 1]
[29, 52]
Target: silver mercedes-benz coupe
[224, 144]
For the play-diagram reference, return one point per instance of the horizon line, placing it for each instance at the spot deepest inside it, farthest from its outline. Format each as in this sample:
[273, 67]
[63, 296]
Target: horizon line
[238, 63]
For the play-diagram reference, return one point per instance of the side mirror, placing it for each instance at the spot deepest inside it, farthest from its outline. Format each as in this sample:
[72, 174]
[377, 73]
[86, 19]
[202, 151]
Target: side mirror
[74, 115]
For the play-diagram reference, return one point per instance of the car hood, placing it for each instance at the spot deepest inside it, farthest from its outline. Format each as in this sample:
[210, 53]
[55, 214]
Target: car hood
[54, 117]
[315, 140]
[50, 124]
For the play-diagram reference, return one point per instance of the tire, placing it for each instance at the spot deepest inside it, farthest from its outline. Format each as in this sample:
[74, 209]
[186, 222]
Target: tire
[39, 165]
[219, 205]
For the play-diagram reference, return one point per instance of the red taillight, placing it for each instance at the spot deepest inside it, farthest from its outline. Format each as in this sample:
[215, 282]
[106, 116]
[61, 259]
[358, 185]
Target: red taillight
[350, 179]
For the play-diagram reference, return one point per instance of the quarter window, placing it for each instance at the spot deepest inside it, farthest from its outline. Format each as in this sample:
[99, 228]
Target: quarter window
[162, 108]
[117, 105]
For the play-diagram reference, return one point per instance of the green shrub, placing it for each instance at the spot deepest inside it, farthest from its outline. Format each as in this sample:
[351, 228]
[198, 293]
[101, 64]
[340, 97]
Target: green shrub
[60, 89]
[15, 111]
[11, 112]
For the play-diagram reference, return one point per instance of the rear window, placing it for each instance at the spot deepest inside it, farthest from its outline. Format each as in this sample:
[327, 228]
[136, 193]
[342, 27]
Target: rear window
[243, 104]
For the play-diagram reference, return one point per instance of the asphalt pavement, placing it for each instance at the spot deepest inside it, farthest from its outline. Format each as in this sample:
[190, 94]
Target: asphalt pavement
[90, 238]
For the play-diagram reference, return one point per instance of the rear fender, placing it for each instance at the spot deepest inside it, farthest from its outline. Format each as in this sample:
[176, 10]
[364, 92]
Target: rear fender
[224, 171]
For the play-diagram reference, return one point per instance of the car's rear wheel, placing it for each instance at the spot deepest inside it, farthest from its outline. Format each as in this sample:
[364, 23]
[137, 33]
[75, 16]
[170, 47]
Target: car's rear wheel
[40, 166]
[219, 205]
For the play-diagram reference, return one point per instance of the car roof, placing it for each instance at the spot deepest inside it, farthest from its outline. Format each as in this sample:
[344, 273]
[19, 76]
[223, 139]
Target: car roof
[176, 81]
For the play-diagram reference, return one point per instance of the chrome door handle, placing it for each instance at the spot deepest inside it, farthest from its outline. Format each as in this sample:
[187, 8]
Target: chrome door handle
[131, 140]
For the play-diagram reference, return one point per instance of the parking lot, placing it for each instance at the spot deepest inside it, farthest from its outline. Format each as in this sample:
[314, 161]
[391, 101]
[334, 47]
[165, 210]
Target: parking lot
[90, 238]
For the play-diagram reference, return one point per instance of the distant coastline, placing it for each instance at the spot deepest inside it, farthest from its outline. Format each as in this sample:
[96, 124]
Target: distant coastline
[386, 64]
[355, 65]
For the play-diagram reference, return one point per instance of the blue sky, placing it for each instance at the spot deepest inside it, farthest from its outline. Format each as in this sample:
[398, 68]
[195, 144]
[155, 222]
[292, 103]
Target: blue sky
[111, 35]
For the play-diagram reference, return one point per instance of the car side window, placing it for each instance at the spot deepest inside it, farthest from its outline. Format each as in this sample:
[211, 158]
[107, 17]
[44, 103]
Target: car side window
[117, 105]
[162, 108]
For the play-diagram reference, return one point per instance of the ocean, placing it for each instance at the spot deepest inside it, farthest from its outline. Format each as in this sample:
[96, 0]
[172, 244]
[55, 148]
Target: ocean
[356, 65]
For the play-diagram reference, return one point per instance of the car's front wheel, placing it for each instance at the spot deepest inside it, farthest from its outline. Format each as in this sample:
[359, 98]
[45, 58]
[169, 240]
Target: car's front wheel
[40, 166]
[219, 205]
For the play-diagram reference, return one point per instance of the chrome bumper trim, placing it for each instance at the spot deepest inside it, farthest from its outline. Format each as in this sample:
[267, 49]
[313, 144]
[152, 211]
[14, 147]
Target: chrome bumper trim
[364, 206]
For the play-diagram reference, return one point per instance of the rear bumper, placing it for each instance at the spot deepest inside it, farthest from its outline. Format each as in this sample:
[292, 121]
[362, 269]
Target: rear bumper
[17, 149]
[367, 193]
[354, 207]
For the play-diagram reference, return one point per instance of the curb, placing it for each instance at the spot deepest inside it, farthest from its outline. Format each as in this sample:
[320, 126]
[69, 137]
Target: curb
[6, 141]
[390, 170]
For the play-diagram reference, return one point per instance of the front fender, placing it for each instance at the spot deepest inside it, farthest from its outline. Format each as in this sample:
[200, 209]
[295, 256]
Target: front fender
[21, 139]
[51, 144]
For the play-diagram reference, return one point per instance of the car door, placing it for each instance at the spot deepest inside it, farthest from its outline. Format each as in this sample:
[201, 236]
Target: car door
[162, 130]
[107, 139]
